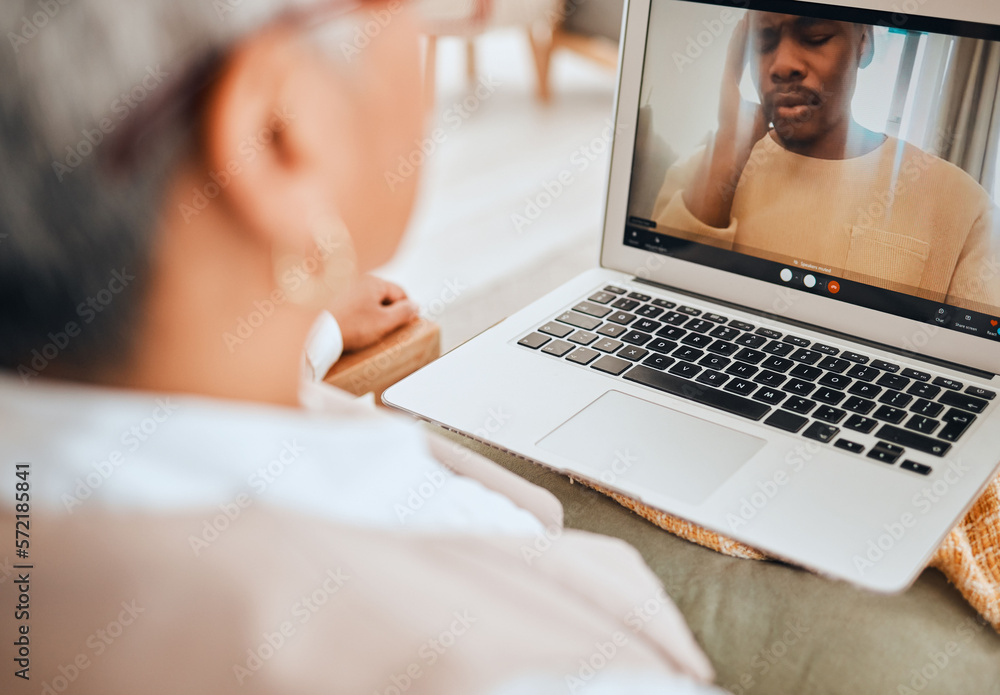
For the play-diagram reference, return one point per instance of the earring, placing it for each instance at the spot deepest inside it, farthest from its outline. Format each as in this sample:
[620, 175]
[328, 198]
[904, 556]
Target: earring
[313, 279]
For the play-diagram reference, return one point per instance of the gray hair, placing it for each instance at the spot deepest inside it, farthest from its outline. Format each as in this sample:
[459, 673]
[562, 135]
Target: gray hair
[76, 240]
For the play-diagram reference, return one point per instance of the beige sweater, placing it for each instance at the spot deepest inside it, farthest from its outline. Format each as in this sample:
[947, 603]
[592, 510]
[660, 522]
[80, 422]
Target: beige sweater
[897, 218]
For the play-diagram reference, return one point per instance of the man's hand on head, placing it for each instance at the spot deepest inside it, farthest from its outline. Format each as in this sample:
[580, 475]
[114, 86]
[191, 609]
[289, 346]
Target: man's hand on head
[371, 309]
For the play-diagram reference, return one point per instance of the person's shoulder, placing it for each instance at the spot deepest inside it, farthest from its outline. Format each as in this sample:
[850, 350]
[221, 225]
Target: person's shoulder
[936, 174]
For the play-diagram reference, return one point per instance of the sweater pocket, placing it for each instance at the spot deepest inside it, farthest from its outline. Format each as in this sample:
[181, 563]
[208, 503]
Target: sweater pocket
[886, 258]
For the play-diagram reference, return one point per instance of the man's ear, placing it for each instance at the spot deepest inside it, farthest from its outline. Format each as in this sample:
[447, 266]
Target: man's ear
[866, 49]
[255, 146]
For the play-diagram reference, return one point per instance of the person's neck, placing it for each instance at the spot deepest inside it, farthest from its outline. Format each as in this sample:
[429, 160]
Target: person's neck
[847, 140]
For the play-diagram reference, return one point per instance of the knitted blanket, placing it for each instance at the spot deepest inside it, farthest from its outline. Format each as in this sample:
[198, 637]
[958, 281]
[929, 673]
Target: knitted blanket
[969, 556]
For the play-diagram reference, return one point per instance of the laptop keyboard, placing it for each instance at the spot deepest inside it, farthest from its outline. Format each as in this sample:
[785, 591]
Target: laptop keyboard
[818, 391]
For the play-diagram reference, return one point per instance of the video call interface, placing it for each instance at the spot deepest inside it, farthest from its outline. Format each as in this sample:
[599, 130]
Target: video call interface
[848, 153]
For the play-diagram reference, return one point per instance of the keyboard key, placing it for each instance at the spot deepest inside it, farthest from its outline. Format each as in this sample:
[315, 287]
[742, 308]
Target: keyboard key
[533, 340]
[658, 361]
[715, 318]
[889, 414]
[835, 381]
[742, 370]
[768, 333]
[699, 325]
[583, 356]
[741, 386]
[828, 395]
[612, 330]
[922, 390]
[611, 365]
[697, 340]
[750, 340]
[893, 381]
[713, 378]
[633, 353]
[913, 440]
[556, 329]
[854, 357]
[863, 373]
[806, 373]
[622, 318]
[886, 366]
[583, 338]
[859, 405]
[915, 467]
[649, 311]
[607, 345]
[690, 311]
[806, 356]
[777, 364]
[846, 445]
[924, 425]
[646, 325]
[797, 341]
[625, 304]
[688, 354]
[639, 296]
[915, 374]
[591, 309]
[825, 349]
[833, 364]
[861, 424]
[614, 290]
[661, 345]
[799, 387]
[601, 297]
[557, 348]
[675, 319]
[750, 356]
[664, 303]
[724, 332]
[864, 390]
[686, 370]
[716, 362]
[776, 347]
[797, 404]
[741, 325]
[886, 453]
[963, 401]
[772, 379]
[721, 347]
[636, 338]
[948, 383]
[587, 323]
[896, 399]
[927, 408]
[671, 333]
[829, 414]
[821, 432]
[769, 395]
[705, 395]
[784, 420]
[980, 393]
[956, 422]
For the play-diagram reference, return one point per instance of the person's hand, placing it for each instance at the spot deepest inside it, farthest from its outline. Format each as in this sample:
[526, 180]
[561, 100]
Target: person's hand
[740, 121]
[371, 309]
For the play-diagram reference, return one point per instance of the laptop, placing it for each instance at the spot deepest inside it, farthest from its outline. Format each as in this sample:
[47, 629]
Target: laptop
[791, 337]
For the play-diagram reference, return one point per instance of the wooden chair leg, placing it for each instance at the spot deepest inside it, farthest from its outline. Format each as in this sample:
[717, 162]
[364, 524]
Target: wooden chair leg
[430, 72]
[541, 51]
[470, 61]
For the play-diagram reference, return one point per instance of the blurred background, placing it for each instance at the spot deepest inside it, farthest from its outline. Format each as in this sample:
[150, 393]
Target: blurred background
[515, 158]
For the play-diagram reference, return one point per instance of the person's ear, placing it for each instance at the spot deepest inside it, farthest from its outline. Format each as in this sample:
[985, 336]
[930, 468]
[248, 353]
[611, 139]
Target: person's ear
[270, 124]
[866, 49]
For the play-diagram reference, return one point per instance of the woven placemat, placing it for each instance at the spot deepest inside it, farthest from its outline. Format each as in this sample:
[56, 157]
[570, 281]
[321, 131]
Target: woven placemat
[969, 556]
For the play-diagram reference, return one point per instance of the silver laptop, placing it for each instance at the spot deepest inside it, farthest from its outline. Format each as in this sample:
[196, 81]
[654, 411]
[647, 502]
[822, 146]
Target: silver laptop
[792, 335]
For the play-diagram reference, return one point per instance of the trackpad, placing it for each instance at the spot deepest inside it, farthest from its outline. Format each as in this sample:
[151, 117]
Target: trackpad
[621, 439]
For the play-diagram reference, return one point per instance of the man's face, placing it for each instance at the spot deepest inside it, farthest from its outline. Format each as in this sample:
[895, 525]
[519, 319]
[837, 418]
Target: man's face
[806, 71]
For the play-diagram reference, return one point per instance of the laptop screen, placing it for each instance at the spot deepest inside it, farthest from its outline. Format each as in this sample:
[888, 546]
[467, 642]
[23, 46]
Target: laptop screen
[843, 152]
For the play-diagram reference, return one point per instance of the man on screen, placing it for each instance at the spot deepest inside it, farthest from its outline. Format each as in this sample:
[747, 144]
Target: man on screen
[798, 178]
